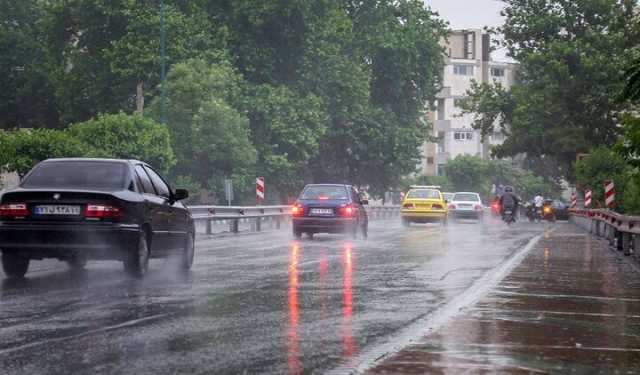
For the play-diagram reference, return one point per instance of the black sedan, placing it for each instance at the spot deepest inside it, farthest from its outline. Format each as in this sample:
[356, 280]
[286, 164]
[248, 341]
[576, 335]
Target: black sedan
[329, 208]
[94, 209]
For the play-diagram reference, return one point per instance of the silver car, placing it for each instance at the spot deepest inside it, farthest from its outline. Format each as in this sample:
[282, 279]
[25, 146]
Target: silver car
[466, 205]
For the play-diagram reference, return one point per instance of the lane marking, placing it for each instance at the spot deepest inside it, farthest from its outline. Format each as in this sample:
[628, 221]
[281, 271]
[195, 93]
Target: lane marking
[416, 332]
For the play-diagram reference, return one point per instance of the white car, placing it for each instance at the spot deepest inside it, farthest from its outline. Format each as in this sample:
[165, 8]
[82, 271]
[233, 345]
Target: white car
[466, 205]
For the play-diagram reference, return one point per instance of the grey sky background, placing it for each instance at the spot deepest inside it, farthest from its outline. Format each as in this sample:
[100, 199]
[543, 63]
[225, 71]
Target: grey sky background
[470, 14]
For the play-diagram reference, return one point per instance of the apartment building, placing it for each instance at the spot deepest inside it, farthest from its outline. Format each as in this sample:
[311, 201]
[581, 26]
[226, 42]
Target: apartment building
[468, 59]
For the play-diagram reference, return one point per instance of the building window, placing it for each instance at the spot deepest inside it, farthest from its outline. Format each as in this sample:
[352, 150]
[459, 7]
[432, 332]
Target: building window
[463, 136]
[440, 170]
[497, 72]
[463, 70]
[430, 160]
[497, 137]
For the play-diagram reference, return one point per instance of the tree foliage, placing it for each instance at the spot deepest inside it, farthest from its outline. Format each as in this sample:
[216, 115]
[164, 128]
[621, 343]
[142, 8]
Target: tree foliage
[604, 164]
[124, 136]
[20, 150]
[210, 136]
[571, 54]
[295, 91]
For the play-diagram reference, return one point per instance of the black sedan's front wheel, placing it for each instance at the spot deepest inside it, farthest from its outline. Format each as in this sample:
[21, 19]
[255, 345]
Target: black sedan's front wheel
[136, 262]
[14, 265]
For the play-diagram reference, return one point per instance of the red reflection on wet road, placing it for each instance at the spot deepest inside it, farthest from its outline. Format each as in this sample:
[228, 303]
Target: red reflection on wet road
[293, 349]
[347, 300]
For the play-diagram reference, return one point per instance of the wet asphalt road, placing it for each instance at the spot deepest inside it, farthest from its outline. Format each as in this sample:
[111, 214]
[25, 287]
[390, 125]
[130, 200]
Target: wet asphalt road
[259, 303]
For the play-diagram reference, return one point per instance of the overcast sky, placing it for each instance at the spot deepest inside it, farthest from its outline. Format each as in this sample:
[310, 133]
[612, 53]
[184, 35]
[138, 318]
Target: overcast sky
[468, 14]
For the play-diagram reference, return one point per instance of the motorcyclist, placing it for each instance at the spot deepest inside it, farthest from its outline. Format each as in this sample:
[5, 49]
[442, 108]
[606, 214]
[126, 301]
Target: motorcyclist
[538, 201]
[509, 201]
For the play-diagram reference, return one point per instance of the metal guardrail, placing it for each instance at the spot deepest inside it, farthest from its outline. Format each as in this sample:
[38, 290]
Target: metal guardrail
[257, 215]
[622, 231]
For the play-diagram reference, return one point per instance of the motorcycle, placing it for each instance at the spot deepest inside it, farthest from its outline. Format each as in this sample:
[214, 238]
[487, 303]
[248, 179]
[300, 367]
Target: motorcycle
[548, 212]
[508, 216]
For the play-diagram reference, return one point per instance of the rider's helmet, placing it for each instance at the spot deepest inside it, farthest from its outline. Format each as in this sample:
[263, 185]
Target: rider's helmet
[508, 189]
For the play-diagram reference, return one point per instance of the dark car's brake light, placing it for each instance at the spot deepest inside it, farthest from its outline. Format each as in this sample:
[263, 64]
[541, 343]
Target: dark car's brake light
[102, 211]
[14, 210]
[297, 210]
[347, 210]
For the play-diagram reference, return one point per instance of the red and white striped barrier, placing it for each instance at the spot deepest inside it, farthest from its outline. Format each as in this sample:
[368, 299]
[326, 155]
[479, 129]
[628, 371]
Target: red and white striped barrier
[609, 194]
[574, 200]
[587, 198]
[260, 190]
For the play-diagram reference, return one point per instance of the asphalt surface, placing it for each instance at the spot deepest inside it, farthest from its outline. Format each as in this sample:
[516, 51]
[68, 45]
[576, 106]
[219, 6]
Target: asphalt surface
[570, 306]
[258, 303]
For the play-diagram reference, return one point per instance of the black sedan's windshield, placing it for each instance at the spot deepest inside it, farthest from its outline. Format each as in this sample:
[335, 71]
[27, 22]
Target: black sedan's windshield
[92, 175]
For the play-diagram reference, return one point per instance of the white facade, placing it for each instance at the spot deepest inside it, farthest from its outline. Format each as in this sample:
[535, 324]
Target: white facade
[468, 59]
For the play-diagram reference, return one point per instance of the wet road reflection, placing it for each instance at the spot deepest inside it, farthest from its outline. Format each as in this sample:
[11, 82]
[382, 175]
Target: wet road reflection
[347, 308]
[252, 304]
[293, 349]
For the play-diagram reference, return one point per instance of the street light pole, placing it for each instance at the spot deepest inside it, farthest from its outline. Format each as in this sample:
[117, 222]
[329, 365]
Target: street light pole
[163, 72]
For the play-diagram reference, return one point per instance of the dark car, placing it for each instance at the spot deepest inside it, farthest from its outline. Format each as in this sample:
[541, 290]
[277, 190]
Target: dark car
[94, 209]
[560, 209]
[329, 208]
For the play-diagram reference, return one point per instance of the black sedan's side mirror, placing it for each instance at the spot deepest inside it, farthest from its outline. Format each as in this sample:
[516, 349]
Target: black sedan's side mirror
[180, 194]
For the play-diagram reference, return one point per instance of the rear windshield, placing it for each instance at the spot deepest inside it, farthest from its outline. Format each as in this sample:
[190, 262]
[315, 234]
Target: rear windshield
[423, 194]
[325, 192]
[91, 175]
[466, 197]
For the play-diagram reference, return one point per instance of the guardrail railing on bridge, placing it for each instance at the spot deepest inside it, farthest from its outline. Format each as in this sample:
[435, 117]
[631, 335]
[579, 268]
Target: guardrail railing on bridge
[258, 215]
[622, 231]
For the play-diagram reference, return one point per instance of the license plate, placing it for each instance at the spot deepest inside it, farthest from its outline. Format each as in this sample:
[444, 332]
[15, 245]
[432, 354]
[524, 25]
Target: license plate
[321, 211]
[57, 210]
[508, 212]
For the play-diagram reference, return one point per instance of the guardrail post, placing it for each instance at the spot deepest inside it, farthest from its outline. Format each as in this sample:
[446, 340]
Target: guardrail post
[258, 223]
[277, 222]
[208, 225]
[625, 243]
[235, 224]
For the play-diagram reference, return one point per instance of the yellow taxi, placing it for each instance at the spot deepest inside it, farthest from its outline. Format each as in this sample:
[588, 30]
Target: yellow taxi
[424, 204]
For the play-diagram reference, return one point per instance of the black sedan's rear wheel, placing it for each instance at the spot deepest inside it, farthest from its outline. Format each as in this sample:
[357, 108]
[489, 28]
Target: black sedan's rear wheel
[188, 253]
[14, 265]
[136, 262]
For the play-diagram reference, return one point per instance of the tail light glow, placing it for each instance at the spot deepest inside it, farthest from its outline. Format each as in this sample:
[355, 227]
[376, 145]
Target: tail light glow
[14, 210]
[347, 210]
[102, 211]
[478, 207]
[297, 210]
[408, 206]
[452, 206]
[437, 206]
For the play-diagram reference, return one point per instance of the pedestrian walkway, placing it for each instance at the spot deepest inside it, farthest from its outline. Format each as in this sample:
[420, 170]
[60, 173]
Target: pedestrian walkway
[571, 306]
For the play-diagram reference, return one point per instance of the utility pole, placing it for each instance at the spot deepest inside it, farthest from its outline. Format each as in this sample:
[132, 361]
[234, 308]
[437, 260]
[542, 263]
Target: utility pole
[163, 71]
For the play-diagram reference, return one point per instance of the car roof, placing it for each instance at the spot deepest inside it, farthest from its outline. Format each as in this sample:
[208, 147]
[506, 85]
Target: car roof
[106, 160]
[343, 185]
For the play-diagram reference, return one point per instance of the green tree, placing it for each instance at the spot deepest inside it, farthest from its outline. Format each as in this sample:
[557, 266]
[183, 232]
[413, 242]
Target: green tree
[570, 55]
[20, 150]
[27, 97]
[210, 137]
[469, 173]
[124, 136]
[604, 164]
